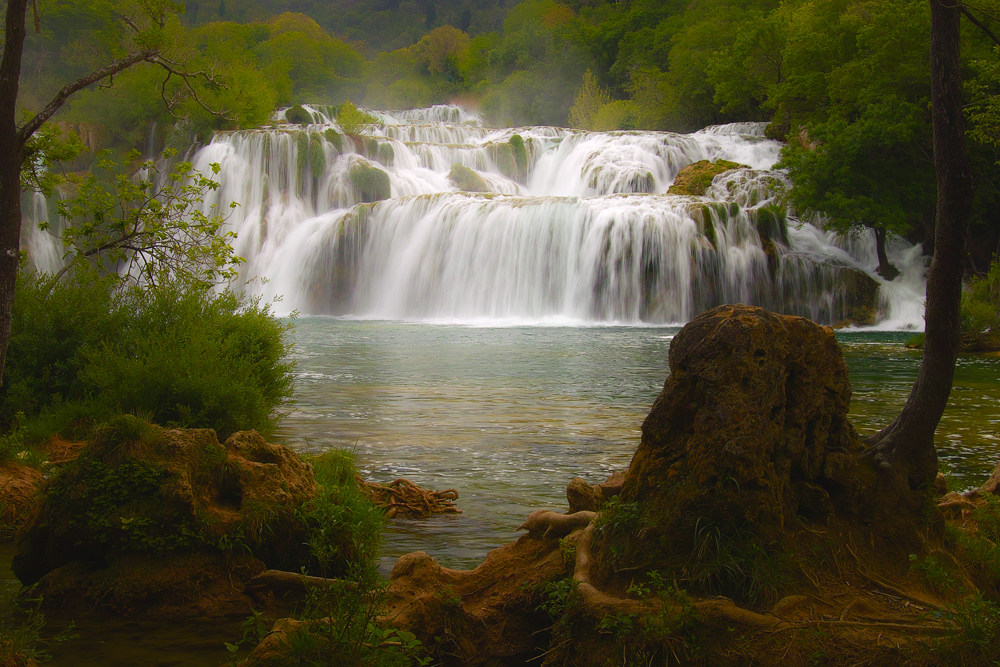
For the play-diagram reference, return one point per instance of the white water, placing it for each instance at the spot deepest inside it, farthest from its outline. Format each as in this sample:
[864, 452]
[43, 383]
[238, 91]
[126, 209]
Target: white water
[584, 233]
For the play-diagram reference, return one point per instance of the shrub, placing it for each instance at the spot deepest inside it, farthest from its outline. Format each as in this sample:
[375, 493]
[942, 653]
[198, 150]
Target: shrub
[80, 352]
[298, 115]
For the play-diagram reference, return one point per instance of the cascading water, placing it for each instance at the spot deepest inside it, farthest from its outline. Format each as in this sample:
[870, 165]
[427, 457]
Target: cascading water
[567, 226]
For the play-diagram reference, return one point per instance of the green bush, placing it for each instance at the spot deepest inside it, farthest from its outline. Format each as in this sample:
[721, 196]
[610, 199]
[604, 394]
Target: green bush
[298, 115]
[80, 352]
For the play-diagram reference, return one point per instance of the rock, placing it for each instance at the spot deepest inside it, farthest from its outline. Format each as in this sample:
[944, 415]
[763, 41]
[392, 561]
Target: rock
[488, 615]
[860, 297]
[589, 497]
[749, 434]
[19, 486]
[695, 178]
[371, 182]
[164, 494]
[582, 496]
[466, 179]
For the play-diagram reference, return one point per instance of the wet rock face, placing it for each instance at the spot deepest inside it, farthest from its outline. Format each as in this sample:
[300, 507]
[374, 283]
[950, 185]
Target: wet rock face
[749, 431]
[169, 492]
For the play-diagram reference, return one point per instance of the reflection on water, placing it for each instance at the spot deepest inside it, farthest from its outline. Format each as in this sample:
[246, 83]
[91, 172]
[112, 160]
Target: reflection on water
[508, 415]
[968, 438]
[505, 415]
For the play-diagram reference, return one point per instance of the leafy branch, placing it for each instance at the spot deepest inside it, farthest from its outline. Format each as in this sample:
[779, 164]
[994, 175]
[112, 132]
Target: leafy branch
[150, 227]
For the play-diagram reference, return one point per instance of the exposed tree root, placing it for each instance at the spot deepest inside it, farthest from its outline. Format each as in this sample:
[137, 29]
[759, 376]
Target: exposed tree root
[277, 580]
[403, 498]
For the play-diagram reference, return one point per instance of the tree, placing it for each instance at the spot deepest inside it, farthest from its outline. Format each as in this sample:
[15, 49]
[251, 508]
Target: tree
[905, 448]
[142, 39]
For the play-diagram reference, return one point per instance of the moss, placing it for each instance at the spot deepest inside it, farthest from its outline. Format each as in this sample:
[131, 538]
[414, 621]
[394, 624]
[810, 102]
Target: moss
[371, 182]
[772, 223]
[695, 178]
[298, 115]
[702, 214]
[520, 154]
[317, 158]
[334, 138]
[466, 179]
[371, 147]
[385, 154]
[301, 155]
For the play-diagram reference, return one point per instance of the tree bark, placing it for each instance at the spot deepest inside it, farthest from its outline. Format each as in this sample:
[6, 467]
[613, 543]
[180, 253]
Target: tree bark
[885, 269]
[11, 153]
[906, 447]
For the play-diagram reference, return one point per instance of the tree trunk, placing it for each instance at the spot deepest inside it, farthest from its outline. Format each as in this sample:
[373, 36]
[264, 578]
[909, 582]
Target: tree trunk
[906, 446]
[10, 167]
[885, 269]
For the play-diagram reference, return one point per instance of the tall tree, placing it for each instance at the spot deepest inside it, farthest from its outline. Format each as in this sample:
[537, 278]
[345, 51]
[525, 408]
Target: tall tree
[142, 41]
[906, 447]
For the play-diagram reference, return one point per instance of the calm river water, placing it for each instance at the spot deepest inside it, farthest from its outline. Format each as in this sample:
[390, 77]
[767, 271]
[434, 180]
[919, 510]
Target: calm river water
[507, 415]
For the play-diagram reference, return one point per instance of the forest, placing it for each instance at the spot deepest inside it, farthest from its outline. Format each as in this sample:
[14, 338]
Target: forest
[143, 383]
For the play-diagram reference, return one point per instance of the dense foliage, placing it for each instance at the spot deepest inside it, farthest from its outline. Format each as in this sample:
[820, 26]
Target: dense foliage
[81, 350]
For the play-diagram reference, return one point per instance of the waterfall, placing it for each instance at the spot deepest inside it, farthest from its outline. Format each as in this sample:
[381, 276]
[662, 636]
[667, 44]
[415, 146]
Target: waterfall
[566, 225]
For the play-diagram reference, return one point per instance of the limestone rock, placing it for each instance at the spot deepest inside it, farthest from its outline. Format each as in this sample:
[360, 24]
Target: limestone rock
[167, 495]
[749, 432]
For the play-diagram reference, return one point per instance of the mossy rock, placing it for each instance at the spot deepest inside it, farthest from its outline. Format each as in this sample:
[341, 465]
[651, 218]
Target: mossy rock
[298, 115]
[772, 223]
[466, 179]
[334, 138]
[140, 489]
[371, 182]
[520, 154]
[386, 154]
[317, 157]
[748, 438]
[695, 178]
[861, 297]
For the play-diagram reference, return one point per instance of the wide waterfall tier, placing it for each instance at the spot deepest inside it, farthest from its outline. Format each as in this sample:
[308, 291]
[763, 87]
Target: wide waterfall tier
[429, 215]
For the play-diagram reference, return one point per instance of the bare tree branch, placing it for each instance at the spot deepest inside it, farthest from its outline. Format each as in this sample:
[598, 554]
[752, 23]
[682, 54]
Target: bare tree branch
[110, 69]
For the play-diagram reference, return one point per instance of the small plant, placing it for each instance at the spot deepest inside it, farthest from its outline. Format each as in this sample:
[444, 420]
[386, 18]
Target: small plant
[620, 625]
[352, 119]
[23, 643]
[617, 522]
[254, 630]
[732, 563]
[935, 573]
[557, 597]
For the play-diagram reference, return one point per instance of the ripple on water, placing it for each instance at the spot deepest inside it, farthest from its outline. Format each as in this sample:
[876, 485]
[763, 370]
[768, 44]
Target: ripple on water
[508, 415]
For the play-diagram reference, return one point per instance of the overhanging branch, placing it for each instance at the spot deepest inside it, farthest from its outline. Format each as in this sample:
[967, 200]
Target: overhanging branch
[67, 91]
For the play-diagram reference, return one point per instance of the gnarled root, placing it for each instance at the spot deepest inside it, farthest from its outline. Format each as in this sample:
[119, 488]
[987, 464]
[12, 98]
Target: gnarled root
[403, 498]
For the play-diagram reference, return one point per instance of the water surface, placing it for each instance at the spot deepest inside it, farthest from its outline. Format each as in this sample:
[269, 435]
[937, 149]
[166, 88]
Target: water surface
[508, 415]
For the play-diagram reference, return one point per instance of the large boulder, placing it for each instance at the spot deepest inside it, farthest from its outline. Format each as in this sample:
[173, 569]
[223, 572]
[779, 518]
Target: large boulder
[748, 437]
[139, 493]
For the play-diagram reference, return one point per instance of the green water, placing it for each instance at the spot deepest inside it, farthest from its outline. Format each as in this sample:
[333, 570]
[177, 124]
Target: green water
[507, 416]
